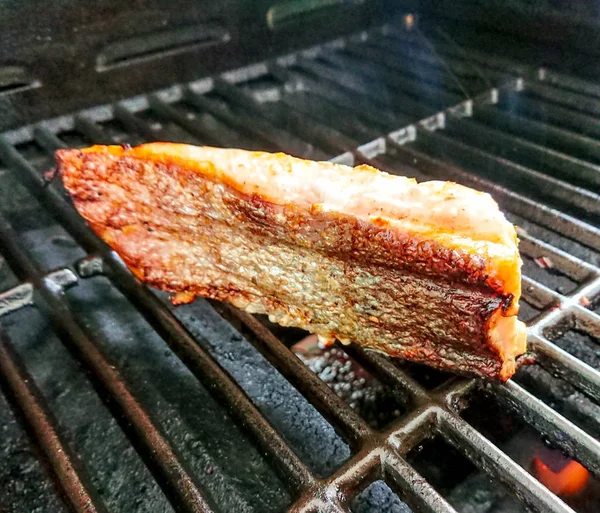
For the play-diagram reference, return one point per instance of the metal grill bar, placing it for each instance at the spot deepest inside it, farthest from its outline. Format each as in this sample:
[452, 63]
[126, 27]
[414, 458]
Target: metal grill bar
[200, 363]
[573, 267]
[383, 453]
[560, 431]
[484, 454]
[398, 101]
[92, 131]
[569, 82]
[481, 58]
[540, 133]
[257, 129]
[381, 50]
[328, 137]
[236, 97]
[191, 125]
[28, 402]
[559, 362]
[322, 114]
[341, 416]
[568, 98]
[551, 113]
[430, 69]
[134, 124]
[560, 166]
[406, 389]
[376, 117]
[152, 445]
[404, 479]
[438, 94]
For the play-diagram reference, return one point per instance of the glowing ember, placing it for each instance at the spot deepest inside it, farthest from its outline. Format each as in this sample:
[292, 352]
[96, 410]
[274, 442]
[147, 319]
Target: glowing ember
[568, 481]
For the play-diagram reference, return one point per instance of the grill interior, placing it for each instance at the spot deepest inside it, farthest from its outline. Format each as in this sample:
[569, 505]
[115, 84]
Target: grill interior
[133, 405]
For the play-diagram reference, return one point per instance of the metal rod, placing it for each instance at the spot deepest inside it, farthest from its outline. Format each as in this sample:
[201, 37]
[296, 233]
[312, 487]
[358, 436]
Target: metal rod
[560, 431]
[29, 403]
[551, 113]
[406, 389]
[261, 132]
[379, 96]
[482, 58]
[571, 369]
[295, 122]
[511, 147]
[437, 93]
[135, 124]
[92, 131]
[541, 133]
[492, 460]
[571, 99]
[410, 484]
[193, 126]
[361, 106]
[342, 417]
[572, 83]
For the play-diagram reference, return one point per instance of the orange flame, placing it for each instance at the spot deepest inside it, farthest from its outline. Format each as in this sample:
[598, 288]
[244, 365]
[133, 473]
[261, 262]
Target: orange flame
[568, 481]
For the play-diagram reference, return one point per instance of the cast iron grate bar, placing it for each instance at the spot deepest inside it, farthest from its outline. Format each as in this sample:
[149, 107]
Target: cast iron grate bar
[552, 113]
[469, 54]
[134, 123]
[569, 82]
[559, 430]
[347, 99]
[398, 101]
[559, 165]
[437, 94]
[28, 402]
[540, 133]
[206, 136]
[303, 128]
[341, 416]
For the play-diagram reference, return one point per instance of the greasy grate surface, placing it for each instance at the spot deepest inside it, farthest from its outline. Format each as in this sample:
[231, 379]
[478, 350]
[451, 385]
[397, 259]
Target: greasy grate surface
[203, 407]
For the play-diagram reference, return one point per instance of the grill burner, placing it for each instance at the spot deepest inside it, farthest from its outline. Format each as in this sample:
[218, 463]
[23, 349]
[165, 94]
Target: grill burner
[224, 417]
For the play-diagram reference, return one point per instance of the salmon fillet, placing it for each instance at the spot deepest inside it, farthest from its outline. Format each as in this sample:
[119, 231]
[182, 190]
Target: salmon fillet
[428, 272]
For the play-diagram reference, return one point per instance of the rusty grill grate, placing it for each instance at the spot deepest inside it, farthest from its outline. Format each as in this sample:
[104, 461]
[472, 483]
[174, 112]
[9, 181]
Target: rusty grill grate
[431, 109]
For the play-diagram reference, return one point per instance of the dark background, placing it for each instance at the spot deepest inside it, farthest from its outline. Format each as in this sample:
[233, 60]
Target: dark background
[57, 57]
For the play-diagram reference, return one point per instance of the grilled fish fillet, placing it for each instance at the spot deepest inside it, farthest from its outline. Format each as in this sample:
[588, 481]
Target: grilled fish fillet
[428, 272]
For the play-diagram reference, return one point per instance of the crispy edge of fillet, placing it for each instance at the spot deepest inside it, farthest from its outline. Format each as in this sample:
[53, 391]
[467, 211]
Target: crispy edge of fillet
[148, 200]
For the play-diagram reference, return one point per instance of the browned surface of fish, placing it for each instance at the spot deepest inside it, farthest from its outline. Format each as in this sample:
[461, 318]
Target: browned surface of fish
[426, 272]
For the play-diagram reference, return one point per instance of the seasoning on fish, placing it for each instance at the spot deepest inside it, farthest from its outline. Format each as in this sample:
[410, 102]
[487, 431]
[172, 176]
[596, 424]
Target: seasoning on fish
[428, 272]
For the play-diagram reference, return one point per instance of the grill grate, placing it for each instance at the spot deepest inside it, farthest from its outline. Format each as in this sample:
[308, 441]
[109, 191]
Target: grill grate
[351, 106]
